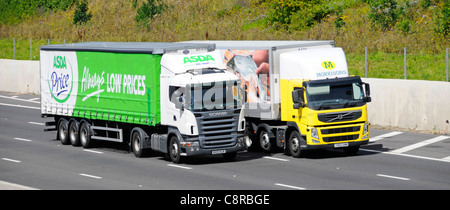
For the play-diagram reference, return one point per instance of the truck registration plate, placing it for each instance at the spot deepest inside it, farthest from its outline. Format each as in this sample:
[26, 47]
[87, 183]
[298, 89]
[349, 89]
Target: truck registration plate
[215, 152]
[341, 145]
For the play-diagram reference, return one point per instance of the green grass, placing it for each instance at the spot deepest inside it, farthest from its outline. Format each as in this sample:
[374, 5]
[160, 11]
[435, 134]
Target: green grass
[391, 66]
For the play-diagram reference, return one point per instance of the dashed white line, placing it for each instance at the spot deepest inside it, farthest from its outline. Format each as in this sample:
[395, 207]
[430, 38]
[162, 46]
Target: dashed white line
[90, 176]
[92, 151]
[386, 135]
[33, 99]
[20, 106]
[290, 186]
[19, 99]
[36, 123]
[21, 139]
[273, 158]
[394, 177]
[177, 166]
[420, 144]
[11, 160]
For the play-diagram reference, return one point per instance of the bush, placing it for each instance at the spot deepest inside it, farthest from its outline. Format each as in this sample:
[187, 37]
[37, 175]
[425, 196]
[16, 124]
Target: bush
[297, 15]
[384, 13]
[148, 10]
[81, 13]
[14, 11]
[442, 19]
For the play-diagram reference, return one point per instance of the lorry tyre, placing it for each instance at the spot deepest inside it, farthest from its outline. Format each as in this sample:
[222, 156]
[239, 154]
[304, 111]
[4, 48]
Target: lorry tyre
[73, 133]
[264, 141]
[63, 131]
[174, 150]
[294, 144]
[85, 137]
[137, 139]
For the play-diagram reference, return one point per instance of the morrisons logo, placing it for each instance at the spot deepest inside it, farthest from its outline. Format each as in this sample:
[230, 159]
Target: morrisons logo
[328, 65]
[198, 58]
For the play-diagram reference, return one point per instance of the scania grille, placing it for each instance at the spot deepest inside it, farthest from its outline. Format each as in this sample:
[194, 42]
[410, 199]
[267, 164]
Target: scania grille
[217, 132]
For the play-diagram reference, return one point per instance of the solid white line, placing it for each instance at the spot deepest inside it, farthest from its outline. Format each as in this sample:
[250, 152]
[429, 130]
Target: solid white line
[11, 160]
[90, 176]
[20, 139]
[273, 158]
[393, 177]
[290, 186]
[93, 151]
[420, 144]
[37, 123]
[177, 166]
[386, 135]
[446, 158]
[19, 99]
[33, 99]
[406, 155]
[20, 106]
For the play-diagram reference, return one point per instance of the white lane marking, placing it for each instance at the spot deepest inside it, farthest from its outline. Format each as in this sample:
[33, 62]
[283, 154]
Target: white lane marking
[290, 186]
[90, 176]
[19, 99]
[420, 144]
[407, 155]
[20, 106]
[21, 139]
[446, 158]
[11, 160]
[11, 186]
[177, 166]
[37, 123]
[386, 135]
[273, 158]
[93, 151]
[394, 177]
[33, 99]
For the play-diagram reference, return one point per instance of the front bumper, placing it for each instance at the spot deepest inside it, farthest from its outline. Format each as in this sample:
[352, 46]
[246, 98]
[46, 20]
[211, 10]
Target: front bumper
[191, 147]
[337, 136]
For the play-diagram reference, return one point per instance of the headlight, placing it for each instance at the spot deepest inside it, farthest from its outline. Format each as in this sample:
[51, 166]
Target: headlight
[366, 128]
[314, 133]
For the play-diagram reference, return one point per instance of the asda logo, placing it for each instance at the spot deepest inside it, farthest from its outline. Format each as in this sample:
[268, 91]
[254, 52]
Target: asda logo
[60, 79]
[328, 65]
[198, 58]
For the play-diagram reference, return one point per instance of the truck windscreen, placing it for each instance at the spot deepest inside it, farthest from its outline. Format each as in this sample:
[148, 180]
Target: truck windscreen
[334, 94]
[212, 96]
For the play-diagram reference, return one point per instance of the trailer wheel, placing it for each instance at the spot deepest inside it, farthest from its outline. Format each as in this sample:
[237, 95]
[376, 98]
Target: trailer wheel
[294, 144]
[175, 150]
[264, 141]
[85, 137]
[137, 139]
[74, 134]
[63, 131]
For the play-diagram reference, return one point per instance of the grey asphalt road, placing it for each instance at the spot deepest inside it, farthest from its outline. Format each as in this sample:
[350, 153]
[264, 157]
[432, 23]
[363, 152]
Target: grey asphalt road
[33, 159]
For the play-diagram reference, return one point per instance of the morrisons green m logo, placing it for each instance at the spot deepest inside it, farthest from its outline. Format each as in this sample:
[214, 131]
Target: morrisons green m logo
[198, 58]
[328, 65]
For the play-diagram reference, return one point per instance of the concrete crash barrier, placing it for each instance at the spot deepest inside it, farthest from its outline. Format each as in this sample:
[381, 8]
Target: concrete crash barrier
[19, 76]
[410, 104]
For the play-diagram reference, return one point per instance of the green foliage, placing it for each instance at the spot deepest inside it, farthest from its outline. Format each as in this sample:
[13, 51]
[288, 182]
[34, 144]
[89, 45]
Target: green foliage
[81, 15]
[147, 11]
[385, 13]
[14, 11]
[442, 20]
